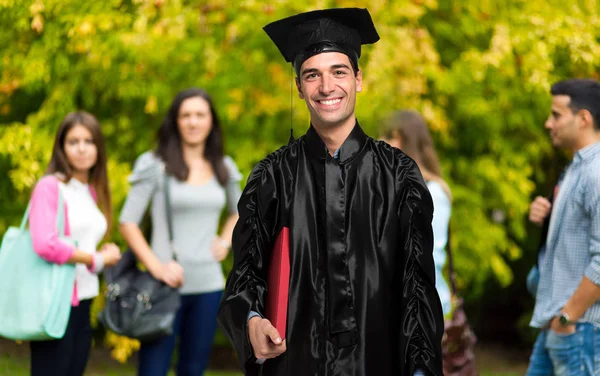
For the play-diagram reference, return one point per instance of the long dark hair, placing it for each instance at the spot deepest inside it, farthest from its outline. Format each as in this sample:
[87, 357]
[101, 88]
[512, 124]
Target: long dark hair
[169, 140]
[98, 177]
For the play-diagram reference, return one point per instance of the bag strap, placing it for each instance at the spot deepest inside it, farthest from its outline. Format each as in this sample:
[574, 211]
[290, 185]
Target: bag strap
[25, 217]
[452, 274]
[169, 214]
[60, 215]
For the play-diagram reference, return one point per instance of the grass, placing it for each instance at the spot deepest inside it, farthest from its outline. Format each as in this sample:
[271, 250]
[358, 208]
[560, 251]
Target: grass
[14, 361]
[18, 366]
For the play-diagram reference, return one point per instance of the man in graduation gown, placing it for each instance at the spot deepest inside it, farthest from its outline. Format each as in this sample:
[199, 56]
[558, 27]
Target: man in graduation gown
[362, 298]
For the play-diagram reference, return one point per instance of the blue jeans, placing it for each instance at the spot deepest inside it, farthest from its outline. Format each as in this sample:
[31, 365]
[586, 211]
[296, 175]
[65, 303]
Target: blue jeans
[571, 354]
[195, 325]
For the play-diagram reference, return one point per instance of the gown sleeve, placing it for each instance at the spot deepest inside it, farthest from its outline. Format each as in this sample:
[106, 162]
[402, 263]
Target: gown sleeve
[422, 322]
[253, 239]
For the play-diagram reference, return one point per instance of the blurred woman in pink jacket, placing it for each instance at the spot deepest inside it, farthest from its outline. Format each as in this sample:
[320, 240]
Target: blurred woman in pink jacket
[77, 171]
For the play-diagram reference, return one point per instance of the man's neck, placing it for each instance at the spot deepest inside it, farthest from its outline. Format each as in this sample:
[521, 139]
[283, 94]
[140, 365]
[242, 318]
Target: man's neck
[334, 136]
[587, 141]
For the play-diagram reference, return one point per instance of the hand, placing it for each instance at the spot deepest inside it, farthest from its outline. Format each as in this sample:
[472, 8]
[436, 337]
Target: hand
[170, 273]
[557, 328]
[220, 249]
[265, 339]
[539, 210]
[111, 254]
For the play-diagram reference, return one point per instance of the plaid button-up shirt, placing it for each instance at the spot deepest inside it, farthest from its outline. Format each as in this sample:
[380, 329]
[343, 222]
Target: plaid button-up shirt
[573, 242]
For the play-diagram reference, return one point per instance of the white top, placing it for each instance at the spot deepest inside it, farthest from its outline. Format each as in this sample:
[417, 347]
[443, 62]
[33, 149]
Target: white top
[441, 217]
[88, 226]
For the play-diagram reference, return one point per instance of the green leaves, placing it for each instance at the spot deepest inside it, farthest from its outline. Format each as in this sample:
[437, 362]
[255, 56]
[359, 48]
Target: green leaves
[479, 73]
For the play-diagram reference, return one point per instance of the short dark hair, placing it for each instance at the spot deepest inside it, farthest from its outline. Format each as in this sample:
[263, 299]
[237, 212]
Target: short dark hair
[584, 95]
[169, 140]
[323, 47]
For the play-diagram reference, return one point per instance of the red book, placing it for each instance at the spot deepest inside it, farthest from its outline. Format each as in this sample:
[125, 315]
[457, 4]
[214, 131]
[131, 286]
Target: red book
[278, 283]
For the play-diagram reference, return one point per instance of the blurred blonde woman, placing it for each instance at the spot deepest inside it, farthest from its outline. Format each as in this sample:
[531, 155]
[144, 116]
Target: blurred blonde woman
[407, 130]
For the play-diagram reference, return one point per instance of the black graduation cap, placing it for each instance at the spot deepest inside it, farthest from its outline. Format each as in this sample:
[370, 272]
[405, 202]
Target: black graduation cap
[330, 30]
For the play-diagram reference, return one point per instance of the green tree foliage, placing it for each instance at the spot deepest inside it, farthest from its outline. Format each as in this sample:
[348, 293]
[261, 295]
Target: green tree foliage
[479, 71]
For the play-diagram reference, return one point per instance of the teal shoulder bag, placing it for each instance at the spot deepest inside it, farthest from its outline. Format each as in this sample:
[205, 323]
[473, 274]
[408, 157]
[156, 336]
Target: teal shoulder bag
[35, 295]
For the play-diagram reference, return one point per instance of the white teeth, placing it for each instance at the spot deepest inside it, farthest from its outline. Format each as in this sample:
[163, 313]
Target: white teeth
[331, 102]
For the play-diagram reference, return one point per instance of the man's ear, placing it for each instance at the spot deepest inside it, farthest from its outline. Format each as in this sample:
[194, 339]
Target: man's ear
[299, 87]
[586, 118]
[359, 81]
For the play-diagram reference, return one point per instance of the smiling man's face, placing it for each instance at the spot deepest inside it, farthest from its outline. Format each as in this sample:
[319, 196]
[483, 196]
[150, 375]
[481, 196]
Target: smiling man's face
[328, 85]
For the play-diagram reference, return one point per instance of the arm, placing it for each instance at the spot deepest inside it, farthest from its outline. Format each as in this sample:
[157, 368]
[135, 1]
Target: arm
[233, 197]
[109, 255]
[47, 242]
[227, 232]
[539, 210]
[586, 294]
[81, 257]
[422, 324]
[144, 181]
[233, 194]
[132, 234]
[588, 291]
[253, 239]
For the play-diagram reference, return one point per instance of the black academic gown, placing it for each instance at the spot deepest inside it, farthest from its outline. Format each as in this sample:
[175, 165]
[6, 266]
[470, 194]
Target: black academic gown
[362, 298]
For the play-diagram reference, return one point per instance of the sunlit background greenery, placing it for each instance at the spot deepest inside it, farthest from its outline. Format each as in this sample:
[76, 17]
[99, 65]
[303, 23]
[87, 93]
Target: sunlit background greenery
[479, 71]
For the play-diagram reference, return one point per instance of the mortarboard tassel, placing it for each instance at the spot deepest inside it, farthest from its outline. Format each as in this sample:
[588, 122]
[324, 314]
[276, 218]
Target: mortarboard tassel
[291, 105]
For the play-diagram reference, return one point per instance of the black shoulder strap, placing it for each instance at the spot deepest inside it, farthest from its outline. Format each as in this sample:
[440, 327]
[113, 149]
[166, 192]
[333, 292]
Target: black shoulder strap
[546, 224]
[169, 214]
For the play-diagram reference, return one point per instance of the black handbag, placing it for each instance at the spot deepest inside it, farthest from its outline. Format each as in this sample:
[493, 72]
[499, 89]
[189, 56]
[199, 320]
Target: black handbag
[137, 304]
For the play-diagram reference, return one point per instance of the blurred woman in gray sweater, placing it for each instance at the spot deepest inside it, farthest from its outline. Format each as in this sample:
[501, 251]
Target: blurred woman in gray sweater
[202, 182]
